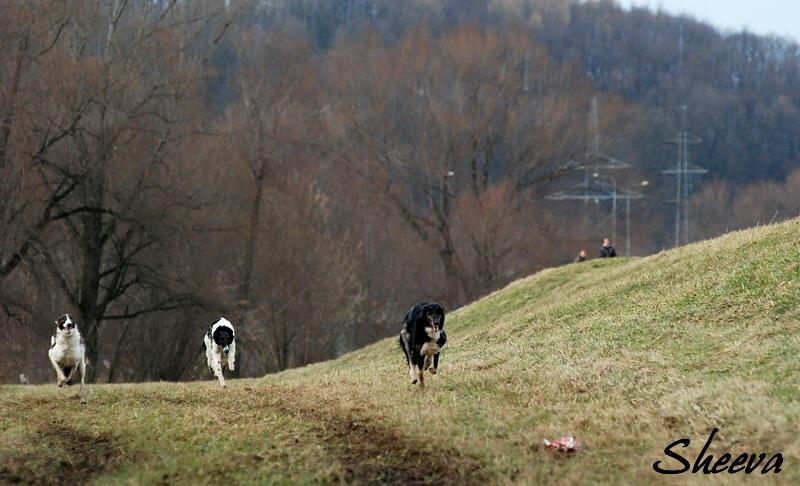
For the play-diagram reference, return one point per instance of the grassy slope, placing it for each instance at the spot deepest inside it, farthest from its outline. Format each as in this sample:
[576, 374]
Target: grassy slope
[627, 354]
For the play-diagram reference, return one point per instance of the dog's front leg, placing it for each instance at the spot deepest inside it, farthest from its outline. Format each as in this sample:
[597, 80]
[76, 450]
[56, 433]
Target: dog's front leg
[218, 372]
[435, 363]
[72, 372]
[419, 369]
[82, 365]
[232, 357]
[209, 360]
[60, 378]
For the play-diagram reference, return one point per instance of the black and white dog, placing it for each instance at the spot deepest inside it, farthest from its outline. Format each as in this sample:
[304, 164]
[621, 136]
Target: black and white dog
[220, 345]
[67, 353]
[422, 338]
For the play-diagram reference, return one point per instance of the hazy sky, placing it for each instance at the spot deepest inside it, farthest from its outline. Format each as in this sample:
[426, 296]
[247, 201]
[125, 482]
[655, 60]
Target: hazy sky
[780, 17]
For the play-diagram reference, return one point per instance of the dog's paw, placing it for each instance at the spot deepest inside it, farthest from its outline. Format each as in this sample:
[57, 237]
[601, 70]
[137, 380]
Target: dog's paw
[223, 385]
[413, 381]
[433, 371]
[60, 384]
[84, 401]
[232, 368]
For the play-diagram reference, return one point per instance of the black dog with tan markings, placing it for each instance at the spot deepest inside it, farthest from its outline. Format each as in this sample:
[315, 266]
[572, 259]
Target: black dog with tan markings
[422, 338]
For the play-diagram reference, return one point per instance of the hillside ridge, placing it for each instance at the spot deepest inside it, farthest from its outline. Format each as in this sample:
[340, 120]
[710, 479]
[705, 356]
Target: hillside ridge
[628, 355]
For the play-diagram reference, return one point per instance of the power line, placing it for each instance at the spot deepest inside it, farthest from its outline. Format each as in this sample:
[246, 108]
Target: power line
[683, 172]
[595, 189]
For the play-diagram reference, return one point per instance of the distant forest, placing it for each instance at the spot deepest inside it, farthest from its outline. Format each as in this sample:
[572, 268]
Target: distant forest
[312, 168]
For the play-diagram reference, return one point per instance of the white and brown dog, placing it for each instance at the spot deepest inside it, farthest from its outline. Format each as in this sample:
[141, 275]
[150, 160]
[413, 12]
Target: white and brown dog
[220, 345]
[67, 353]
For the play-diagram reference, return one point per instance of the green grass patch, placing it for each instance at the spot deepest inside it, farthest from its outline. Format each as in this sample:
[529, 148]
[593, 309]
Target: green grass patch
[627, 354]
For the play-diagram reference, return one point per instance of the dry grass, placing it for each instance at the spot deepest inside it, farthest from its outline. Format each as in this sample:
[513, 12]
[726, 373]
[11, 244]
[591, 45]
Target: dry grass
[627, 354]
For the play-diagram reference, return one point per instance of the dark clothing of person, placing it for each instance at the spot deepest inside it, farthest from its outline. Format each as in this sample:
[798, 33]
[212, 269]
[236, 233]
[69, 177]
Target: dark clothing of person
[579, 258]
[607, 252]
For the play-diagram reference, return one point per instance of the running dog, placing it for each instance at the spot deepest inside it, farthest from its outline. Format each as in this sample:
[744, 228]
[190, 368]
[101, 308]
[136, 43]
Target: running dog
[422, 338]
[68, 353]
[220, 345]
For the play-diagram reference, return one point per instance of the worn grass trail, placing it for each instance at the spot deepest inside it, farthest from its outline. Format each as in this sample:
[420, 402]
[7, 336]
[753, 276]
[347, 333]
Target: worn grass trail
[196, 433]
[627, 354]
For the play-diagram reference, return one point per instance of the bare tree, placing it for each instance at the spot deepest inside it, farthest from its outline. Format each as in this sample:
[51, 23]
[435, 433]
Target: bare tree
[433, 118]
[120, 83]
[297, 284]
[277, 84]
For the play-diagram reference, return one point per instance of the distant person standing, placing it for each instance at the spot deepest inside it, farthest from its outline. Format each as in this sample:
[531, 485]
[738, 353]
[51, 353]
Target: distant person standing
[607, 251]
[581, 257]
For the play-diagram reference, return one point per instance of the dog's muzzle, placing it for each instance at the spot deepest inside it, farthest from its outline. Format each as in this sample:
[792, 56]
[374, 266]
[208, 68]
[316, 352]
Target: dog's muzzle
[226, 350]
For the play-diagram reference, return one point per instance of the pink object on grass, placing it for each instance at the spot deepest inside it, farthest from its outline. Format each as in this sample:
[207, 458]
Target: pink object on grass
[564, 444]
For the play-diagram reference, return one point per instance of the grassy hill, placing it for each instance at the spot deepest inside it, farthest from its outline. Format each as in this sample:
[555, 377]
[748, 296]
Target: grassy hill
[627, 354]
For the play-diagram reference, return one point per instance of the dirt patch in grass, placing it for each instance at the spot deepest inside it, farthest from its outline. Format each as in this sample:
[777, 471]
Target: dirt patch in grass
[372, 453]
[72, 457]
